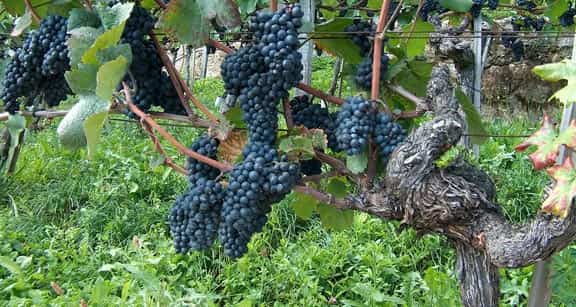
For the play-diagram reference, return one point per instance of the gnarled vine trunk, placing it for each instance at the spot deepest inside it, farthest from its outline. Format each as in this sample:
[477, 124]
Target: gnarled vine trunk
[459, 201]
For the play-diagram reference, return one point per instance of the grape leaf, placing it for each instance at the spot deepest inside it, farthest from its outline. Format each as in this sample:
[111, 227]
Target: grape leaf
[335, 219]
[184, 20]
[92, 127]
[548, 144]
[108, 39]
[83, 18]
[461, 6]
[225, 12]
[358, 163]
[80, 40]
[71, 129]
[565, 70]
[297, 145]
[109, 76]
[115, 16]
[416, 46]
[560, 199]
[340, 46]
[247, 6]
[304, 205]
[82, 79]
[22, 23]
[337, 187]
[473, 118]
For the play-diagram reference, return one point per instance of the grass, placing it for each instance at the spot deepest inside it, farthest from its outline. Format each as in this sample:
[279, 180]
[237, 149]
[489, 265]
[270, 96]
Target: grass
[73, 230]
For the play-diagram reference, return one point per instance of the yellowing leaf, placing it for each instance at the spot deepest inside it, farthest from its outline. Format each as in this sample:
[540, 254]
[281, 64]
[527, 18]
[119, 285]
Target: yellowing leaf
[547, 146]
[92, 127]
[565, 70]
[560, 199]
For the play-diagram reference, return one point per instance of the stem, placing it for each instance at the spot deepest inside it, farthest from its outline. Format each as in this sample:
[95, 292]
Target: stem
[161, 4]
[378, 49]
[174, 74]
[35, 15]
[183, 149]
[320, 94]
[167, 160]
[171, 73]
[306, 88]
[324, 197]
[274, 5]
[338, 165]
[288, 113]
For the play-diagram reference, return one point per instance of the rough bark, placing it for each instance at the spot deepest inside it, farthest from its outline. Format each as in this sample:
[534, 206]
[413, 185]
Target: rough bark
[459, 201]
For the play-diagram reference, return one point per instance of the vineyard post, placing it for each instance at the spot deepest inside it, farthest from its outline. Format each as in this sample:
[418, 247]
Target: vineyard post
[204, 62]
[540, 292]
[477, 88]
[307, 51]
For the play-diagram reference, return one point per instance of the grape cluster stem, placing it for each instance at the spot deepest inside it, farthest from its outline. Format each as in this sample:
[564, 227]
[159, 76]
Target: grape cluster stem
[34, 14]
[223, 167]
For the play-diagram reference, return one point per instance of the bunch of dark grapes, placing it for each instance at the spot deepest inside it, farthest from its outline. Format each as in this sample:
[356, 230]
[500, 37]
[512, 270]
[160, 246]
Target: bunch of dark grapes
[510, 40]
[314, 116]
[363, 78]
[536, 23]
[493, 4]
[355, 124]
[476, 8]
[567, 18]
[528, 5]
[431, 7]
[387, 135]
[360, 33]
[262, 72]
[194, 219]
[311, 167]
[260, 180]
[53, 37]
[153, 85]
[38, 67]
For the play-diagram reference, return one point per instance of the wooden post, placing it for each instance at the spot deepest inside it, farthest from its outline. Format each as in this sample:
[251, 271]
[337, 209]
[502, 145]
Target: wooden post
[204, 62]
[478, 67]
[307, 51]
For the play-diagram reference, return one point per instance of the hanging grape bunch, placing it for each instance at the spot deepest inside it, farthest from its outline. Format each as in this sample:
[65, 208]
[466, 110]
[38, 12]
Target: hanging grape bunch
[153, 85]
[314, 116]
[37, 68]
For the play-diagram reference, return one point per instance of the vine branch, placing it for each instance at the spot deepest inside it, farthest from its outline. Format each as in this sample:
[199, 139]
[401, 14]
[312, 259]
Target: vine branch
[33, 12]
[183, 149]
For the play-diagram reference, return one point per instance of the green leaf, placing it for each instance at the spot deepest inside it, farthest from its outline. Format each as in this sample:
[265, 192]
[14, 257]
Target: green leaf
[358, 163]
[473, 118]
[565, 70]
[115, 16]
[109, 76]
[22, 23]
[10, 265]
[337, 187]
[234, 116]
[83, 18]
[416, 45]
[92, 128]
[318, 138]
[461, 6]
[82, 80]
[555, 9]
[80, 41]
[341, 46]
[247, 6]
[184, 20]
[107, 39]
[335, 219]
[225, 12]
[71, 128]
[297, 145]
[304, 205]
[112, 53]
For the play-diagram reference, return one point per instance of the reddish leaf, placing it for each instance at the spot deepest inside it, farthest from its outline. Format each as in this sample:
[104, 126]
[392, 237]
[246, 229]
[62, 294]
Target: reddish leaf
[547, 147]
[560, 199]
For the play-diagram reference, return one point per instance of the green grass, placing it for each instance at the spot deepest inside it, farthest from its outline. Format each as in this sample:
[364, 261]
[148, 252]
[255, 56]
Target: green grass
[98, 230]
